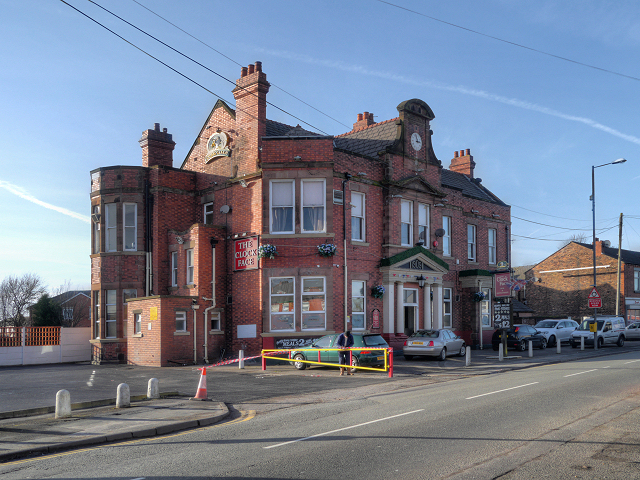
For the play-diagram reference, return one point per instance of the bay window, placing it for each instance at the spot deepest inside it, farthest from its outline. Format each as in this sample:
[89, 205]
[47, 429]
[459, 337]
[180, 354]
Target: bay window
[281, 299]
[313, 304]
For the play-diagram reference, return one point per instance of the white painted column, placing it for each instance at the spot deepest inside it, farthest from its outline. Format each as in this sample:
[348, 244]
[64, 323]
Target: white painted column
[388, 308]
[400, 308]
[426, 314]
[437, 305]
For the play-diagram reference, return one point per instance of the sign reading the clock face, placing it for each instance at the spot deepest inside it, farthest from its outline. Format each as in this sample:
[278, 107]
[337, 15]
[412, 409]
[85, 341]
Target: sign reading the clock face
[416, 142]
[217, 146]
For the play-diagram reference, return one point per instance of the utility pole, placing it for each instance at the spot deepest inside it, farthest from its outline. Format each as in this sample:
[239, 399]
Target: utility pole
[618, 282]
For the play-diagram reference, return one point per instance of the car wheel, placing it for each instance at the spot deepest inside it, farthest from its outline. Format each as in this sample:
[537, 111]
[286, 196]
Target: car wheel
[620, 341]
[496, 348]
[552, 341]
[543, 344]
[523, 345]
[443, 354]
[463, 350]
[356, 363]
[299, 365]
[408, 357]
[600, 342]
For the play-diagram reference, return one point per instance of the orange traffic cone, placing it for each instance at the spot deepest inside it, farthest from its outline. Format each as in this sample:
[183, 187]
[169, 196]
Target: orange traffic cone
[201, 394]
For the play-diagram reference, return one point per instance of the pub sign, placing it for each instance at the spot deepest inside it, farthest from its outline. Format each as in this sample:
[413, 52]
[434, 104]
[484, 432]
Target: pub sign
[245, 255]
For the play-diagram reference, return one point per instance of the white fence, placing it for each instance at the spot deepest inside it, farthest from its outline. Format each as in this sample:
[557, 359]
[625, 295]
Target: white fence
[30, 347]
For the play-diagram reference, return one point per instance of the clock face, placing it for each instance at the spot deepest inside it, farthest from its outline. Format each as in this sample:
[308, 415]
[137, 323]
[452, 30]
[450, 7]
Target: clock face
[416, 142]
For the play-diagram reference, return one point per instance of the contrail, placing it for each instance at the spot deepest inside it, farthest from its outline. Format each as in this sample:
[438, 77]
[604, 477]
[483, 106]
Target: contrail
[19, 191]
[514, 102]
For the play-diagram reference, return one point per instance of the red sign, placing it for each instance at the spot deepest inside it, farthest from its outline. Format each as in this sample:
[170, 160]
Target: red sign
[246, 253]
[375, 322]
[503, 284]
[594, 299]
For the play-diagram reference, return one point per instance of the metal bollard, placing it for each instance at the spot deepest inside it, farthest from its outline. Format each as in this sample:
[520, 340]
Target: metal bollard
[241, 359]
[581, 343]
[123, 397]
[500, 352]
[153, 390]
[467, 357]
[63, 404]
[558, 346]
[530, 348]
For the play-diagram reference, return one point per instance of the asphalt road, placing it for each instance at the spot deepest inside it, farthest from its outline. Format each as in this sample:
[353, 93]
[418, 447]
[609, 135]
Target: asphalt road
[553, 421]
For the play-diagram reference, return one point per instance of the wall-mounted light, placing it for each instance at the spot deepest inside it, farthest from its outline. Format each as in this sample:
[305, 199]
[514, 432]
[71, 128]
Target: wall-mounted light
[243, 183]
[420, 280]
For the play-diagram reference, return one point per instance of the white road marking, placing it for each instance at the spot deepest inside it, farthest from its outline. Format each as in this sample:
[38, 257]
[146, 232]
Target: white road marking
[580, 373]
[342, 429]
[632, 361]
[503, 390]
[90, 382]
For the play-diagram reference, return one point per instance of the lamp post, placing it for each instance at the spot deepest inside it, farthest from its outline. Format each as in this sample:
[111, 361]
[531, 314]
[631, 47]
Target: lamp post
[593, 209]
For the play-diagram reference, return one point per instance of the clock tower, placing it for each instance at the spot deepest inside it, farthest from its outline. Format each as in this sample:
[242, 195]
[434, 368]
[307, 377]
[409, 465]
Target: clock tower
[415, 116]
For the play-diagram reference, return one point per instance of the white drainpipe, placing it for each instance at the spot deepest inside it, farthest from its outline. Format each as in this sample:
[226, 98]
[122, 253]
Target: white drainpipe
[195, 341]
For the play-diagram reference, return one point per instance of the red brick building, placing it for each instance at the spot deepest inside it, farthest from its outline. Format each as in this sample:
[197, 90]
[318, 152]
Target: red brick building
[559, 285]
[175, 270]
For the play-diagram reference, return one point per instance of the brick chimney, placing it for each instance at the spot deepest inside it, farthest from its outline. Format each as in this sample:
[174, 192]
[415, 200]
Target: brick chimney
[364, 120]
[599, 245]
[463, 163]
[251, 115]
[157, 147]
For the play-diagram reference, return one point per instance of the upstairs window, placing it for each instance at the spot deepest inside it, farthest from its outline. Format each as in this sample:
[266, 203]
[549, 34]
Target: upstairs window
[357, 217]
[493, 234]
[111, 227]
[446, 238]
[208, 213]
[130, 226]
[313, 205]
[281, 208]
[174, 269]
[95, 210]
[423, 224]
[189, 266]
[406, 223]
[471, 243]
[636, 280]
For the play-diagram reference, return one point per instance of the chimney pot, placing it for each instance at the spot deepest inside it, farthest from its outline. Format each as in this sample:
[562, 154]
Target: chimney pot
[462, 153]
[365, 115]
[455, 154]
[243, 72]
[258, 66]
[164, 130]
[468, 151]
[156, 127]
[359, 117]
[251, 69]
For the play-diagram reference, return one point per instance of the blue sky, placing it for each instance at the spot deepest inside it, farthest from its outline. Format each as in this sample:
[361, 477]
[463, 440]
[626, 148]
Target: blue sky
[74, 97]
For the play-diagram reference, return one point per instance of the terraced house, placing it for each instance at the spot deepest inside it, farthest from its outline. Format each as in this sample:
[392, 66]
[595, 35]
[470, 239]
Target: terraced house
[270, 235]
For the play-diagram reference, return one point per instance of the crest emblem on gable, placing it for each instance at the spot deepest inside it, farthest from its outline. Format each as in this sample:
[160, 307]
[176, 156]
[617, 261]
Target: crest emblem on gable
[217, 146]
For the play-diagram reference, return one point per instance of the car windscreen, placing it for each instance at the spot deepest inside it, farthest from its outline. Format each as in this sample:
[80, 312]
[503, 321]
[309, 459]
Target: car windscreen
[546, 324]
[426, 333]
[374, 341]
[585, 325]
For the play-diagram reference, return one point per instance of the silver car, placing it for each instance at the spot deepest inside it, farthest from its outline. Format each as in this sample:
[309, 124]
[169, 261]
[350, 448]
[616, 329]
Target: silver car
[433, 343]
[632, 332]
[554, 330]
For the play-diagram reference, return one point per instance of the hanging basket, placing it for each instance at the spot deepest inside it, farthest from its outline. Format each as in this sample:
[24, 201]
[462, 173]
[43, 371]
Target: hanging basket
[267, 251]
[327, 250]
[478, 296]
[377, 291]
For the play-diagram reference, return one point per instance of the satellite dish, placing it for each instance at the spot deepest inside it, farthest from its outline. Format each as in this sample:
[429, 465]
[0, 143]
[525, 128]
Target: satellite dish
[439, 232]
[606, 243]
[225, 209]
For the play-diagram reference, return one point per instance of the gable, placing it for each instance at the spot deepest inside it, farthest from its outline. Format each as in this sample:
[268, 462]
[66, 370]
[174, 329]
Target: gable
[427, 261]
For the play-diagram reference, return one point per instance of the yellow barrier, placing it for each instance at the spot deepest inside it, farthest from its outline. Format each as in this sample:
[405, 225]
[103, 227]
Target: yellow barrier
[388, 357]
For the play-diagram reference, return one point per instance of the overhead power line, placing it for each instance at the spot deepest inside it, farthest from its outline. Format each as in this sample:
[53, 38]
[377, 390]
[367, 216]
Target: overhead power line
[512, 43]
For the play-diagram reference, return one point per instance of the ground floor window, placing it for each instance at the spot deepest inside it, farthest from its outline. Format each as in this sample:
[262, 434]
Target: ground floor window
[358, 317]
[281, 299]
[485, 308]
[96, 314]
[181, 321]
[313, 304]
[446, 308]
[110, 320]
[137, 323]
[215, 321]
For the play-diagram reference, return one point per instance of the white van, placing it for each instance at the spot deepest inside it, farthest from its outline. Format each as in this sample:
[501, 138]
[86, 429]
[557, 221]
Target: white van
[611, 330]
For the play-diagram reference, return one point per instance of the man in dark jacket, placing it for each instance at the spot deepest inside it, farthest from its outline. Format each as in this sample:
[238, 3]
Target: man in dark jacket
[345, 340]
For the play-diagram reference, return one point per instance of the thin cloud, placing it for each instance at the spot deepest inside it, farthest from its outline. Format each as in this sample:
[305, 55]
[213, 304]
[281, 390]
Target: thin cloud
[514, 102]
[22, 193]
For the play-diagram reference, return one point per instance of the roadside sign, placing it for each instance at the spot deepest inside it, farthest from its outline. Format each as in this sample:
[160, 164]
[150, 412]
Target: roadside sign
[502, 315]
[503, 284]
[594, 299]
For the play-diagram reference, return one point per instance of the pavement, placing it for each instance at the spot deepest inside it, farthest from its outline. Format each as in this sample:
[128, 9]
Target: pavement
[36, 431]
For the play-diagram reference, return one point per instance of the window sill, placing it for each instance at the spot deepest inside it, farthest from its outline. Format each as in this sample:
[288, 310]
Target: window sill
[216, 332]
[179, 334]
[138, 335]
[359, 243]
[298, 235]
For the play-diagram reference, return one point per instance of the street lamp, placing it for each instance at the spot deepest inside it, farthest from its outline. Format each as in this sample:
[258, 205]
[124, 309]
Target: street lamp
[593, 209]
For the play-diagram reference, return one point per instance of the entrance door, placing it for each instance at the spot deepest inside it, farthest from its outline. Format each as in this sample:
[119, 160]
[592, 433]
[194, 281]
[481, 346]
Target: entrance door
[410, 310]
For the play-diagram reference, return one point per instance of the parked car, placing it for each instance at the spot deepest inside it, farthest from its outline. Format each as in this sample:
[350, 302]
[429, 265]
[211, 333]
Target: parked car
[556, 330]
[433, 343]
[611, 330]
[365, 357]
[632, 332]
[518, 338]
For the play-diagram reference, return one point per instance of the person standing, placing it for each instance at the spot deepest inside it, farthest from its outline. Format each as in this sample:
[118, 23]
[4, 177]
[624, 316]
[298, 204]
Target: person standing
[345, 341]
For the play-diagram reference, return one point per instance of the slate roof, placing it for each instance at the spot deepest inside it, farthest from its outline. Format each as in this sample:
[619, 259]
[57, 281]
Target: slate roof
[277, 129]
[468, 187]
[370, 140]
[519, 307]
[627, 256]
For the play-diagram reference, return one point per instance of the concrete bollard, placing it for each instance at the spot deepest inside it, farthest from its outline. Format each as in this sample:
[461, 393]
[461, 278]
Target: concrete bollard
[467, 357]
[530, 348]
[581, 343]
[500, 352]
[123, 397]
[558, 346]
[63, 404]
[153, 390]
[241, 359]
